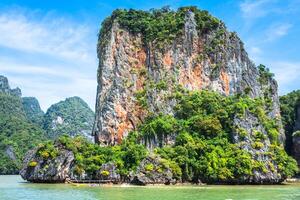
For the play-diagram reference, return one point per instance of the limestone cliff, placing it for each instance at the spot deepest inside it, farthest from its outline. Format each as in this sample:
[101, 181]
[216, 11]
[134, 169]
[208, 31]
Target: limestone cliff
[5, 88]
[38, 169]
[72, 116]
[139, 68]
[33, 110]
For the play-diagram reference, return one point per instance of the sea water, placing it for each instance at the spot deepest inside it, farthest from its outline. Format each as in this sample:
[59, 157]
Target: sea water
[14, 188]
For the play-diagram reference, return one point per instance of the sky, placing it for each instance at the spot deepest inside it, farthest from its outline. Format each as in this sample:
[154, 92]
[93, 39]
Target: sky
[48, 48]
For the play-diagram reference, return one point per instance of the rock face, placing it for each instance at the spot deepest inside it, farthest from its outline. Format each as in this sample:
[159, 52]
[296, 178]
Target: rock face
[136, 78]
[56, 170]
[5, 88]
[42, 167]
[151, 171]
[33, 110]
[72, 116]
[254, 141]
[108, 173]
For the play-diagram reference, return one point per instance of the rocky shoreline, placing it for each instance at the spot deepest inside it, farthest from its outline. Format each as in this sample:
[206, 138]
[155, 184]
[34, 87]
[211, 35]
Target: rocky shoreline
[61, 170]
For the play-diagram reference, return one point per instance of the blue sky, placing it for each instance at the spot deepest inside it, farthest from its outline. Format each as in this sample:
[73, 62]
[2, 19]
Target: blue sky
[48, 48]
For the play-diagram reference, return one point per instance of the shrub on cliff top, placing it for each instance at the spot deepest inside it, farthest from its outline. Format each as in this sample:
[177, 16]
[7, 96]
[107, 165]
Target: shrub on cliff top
[159, 26]
[264, 74]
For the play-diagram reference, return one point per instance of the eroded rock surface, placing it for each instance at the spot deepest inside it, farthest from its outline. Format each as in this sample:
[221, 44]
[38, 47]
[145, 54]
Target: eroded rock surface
[253, 137]
[56, 170]
[108, 173]
[152, 171]
[135, 79]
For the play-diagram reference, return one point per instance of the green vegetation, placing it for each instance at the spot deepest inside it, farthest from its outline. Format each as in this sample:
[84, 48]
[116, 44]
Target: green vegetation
[32, 110]
[288, 105]
[141, 97]
[17, 134]
[149, 167]
[158, 126]
[296, 134]
[32, 164]
[105, 173]
[90, 157]
[204, 148]
[264, 74]
[158, 27]
[217, 43]
[22, 122]
[47, 150]
[72, 116]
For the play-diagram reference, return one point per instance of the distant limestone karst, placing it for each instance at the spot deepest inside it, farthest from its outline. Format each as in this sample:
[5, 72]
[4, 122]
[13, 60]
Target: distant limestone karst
[23, 124]
[71, 116]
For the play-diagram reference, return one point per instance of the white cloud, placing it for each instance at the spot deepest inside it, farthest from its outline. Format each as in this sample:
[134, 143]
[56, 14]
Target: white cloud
[256, 45]
[255, 8]
[287, 74]
[49, 35]
[49, 57]
[49, 93]
[277, 31]
[50, 83]
[255, 51]
[26, 69]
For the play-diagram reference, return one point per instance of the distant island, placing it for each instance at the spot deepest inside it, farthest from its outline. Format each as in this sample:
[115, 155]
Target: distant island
[23, 125]
[178, 101]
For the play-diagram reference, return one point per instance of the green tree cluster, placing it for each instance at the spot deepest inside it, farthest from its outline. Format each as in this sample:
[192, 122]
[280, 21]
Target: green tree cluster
[288, 104]
[17, 134]
[33, 110]
[264, 74]
[204, 147]
[90, 157]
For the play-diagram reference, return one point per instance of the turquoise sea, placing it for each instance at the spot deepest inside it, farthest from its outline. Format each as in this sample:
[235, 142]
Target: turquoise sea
[14, 188]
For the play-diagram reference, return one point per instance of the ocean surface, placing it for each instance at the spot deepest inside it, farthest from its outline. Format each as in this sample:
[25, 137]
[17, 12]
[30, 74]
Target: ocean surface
[14, 188]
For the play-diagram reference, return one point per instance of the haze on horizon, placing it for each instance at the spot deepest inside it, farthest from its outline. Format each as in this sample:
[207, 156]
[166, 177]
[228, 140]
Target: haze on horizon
[48, 49]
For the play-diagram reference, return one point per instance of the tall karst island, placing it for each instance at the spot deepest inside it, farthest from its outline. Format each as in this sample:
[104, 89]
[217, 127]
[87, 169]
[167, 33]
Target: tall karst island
[178, 100]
